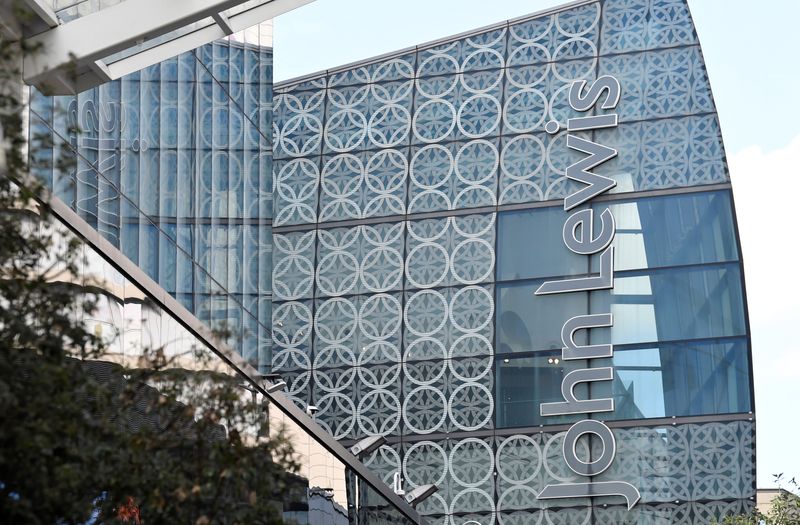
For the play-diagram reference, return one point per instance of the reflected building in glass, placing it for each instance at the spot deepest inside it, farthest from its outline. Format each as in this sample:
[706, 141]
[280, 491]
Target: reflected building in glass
[419, 206]
[173, 165]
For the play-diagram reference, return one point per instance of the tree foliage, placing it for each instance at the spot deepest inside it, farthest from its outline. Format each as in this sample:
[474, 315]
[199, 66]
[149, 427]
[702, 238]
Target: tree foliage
[784, 508]
[84, 439]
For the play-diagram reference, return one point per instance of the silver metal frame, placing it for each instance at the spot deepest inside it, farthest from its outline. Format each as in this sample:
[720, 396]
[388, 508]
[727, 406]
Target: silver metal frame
[493, 209]
[555, 428]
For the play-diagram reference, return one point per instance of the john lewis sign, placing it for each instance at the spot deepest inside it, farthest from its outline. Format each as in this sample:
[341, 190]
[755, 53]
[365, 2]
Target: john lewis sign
[581, 235]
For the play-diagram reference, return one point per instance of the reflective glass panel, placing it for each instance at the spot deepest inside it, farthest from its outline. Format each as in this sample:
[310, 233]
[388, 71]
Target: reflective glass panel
[527, 322]
[672, 230]
[681, 379]
[524, 383]
[138, 333]
[672, 304]
[173, 167]
[529, 245]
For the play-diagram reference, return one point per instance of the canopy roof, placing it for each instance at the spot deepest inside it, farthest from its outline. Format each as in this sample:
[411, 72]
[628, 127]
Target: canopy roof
[84, 43]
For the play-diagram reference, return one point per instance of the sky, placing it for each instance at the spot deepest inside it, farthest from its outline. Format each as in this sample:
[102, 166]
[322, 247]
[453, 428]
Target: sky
[752, 53]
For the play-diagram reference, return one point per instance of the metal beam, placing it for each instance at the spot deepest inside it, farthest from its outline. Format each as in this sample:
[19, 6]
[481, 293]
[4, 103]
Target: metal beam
[43, 11]
[100, 34]
[101, 70]
[222, 22]
[266, 11]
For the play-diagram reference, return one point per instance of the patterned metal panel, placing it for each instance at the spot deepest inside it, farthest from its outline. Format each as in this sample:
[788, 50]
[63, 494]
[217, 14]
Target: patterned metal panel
[390, 179]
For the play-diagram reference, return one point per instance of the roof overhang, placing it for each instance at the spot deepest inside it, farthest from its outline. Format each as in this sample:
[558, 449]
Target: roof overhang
[105, 45]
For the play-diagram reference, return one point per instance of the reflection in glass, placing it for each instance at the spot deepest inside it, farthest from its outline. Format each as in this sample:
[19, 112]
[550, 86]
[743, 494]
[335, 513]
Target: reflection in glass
[653, 232]
[524, 383]
[672, 304]
[530, 245]
[528, 322]
[135, 330]
[672, 230]
[681, 379]
[171, 168]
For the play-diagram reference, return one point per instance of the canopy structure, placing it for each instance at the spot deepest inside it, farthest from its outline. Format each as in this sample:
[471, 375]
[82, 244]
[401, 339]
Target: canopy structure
[84, 43]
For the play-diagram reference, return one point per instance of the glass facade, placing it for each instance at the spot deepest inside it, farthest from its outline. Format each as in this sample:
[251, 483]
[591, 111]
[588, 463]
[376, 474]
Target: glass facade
[652, 381]
[418, 206]
[173, 166]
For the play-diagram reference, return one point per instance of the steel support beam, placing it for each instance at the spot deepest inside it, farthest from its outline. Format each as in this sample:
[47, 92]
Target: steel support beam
[223, 23]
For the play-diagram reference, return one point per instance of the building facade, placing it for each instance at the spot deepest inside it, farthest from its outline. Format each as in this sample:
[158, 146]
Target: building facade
[419, 205]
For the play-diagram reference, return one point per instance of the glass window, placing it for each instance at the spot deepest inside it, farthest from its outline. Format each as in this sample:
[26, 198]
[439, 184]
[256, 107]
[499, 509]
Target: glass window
[676, 379]
[525, 383]
[527, 322]
[672, 230]
[529, 245]
[679, 379]
[672, 304]
[653, 232]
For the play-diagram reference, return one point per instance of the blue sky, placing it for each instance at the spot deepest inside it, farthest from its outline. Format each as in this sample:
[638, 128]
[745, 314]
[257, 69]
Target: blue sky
[752, 51]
